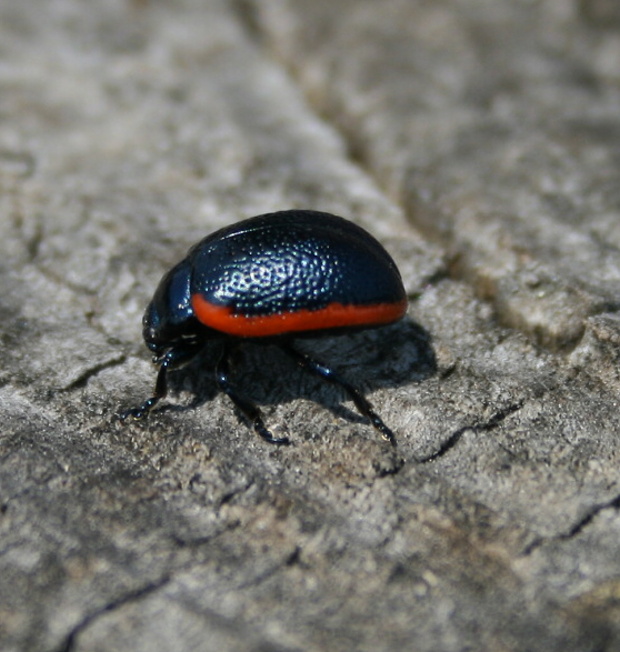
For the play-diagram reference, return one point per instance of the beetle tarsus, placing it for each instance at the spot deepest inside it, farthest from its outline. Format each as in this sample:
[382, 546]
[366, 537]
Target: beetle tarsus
[142, 411]
[384, 431]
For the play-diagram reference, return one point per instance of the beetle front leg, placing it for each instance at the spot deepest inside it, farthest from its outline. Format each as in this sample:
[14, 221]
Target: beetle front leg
[170, 360]
[161, 390]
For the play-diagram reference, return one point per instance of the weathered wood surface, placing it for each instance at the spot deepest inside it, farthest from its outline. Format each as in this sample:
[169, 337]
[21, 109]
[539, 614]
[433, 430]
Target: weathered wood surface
[479, 140]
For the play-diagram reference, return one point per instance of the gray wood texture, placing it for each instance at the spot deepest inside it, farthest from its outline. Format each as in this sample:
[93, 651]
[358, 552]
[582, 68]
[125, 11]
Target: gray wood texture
[480, 141]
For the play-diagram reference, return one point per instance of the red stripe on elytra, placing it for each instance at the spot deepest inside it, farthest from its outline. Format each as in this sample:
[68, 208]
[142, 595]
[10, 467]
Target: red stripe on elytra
[334, 315]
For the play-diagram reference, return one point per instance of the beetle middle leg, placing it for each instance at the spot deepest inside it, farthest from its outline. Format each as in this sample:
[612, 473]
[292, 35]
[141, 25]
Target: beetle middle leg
[362, 404]
[249, 409]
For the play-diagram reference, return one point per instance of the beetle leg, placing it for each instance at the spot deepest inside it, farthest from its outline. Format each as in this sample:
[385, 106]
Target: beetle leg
[170, 360]
[161, 389]
[316, 367]
[249, 409]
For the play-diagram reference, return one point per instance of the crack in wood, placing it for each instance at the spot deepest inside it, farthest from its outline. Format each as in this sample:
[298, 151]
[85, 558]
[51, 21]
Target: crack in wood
[455, 437]
[577, 528]
[85, 376]
[133, 596]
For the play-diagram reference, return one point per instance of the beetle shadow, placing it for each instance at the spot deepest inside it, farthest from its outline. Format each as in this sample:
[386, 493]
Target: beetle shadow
[369, 359]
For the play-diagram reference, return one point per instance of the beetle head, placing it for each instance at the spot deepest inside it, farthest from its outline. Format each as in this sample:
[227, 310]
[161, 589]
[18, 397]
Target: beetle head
[169, 319]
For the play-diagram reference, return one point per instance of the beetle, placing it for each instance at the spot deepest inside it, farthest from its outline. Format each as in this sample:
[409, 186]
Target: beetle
[272, 278]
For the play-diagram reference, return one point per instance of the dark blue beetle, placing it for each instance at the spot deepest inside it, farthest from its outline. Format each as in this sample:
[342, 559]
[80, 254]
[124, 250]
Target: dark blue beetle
[271, 278]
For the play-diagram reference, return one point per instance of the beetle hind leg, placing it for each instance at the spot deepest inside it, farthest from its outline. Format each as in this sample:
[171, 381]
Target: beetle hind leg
[249, 409]
[361, 403]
